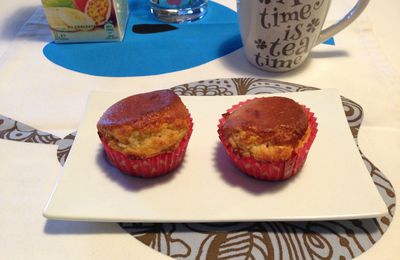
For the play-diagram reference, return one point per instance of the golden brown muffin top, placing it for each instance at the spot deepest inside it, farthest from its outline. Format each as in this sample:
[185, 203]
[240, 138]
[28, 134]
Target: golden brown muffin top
[273, 120]
[144, 106]
[145, 125]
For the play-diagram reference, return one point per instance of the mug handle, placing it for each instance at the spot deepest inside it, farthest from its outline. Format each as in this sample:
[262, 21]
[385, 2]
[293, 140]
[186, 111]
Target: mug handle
[343, 23]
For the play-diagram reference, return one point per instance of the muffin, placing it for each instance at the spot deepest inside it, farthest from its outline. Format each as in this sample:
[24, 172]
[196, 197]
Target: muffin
[146, 134]
[268, 137]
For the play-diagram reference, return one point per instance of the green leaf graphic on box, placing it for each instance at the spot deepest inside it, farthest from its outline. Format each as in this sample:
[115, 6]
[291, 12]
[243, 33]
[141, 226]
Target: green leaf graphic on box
[58, 3]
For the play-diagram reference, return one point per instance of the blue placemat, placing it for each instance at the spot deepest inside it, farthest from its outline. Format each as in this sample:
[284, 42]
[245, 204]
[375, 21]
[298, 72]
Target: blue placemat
[151, 47]
[142, 54]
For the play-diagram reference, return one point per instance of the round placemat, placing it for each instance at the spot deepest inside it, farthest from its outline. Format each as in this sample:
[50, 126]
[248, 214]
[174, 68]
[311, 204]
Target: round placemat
[269, 240]
[149, 45]
[252, 240]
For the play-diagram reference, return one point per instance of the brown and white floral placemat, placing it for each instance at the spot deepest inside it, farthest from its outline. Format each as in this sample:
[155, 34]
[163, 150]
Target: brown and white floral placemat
[252, 240]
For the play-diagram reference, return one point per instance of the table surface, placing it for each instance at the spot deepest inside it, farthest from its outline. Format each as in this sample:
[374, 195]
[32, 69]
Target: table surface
[371, 81]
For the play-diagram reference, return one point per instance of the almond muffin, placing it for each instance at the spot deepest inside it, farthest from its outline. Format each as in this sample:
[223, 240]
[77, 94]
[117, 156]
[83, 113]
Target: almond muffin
[146, 134]
[268, 137]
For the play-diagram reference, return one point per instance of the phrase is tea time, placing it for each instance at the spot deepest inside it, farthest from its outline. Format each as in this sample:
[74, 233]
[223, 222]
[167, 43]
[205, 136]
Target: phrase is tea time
[292, 44]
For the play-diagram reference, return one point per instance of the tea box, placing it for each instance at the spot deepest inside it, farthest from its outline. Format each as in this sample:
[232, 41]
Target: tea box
[86, 20]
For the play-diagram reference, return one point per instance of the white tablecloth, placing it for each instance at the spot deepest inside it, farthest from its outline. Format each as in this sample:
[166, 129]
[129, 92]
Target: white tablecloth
[364, 66]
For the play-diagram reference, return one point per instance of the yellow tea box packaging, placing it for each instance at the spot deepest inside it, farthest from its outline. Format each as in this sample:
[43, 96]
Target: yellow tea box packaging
[86, 20]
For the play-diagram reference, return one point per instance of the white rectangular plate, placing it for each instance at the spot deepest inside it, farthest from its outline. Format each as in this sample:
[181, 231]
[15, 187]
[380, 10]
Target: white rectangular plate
[334, 183]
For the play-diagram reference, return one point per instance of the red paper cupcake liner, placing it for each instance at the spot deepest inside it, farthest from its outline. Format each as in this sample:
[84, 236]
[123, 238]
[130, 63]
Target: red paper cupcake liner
[270, 171]
[150, 167]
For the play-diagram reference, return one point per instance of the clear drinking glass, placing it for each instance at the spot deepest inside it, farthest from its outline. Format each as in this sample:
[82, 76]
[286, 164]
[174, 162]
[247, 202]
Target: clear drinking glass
[178, 11]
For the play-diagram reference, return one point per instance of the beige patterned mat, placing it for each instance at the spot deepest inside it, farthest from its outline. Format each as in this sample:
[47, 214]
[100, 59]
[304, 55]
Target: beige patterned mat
[254, 240]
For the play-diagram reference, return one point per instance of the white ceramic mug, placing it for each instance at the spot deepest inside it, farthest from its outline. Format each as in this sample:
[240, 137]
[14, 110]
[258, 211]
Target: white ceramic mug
[278, 35]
